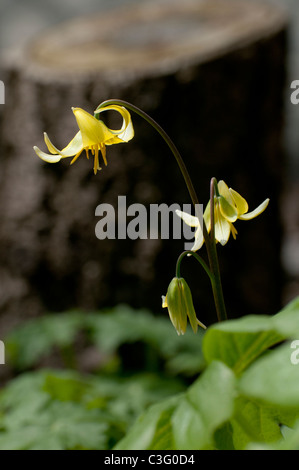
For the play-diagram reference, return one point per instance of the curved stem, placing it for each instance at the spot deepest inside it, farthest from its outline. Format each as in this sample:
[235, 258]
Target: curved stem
[198, 258]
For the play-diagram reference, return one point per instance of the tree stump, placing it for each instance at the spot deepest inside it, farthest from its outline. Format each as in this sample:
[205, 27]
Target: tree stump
[212, 74]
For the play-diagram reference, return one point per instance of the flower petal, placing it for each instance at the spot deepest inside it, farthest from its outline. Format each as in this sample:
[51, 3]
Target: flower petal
[228, 211]
[73, 148]
[239, 201]
[92, 130]
[207, 216]
[46, 157]
[222, 227]
[199, 240]
[256, 212]
[188, 218]
[126, 132]
[224, 192]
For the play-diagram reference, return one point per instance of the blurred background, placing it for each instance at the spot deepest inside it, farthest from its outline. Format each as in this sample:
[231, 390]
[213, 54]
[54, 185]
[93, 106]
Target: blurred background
[229, 110]
[216, 75]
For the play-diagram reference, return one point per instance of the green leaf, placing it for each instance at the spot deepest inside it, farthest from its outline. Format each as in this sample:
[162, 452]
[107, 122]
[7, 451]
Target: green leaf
[273, 378]
[186, 421]
[287, 321]
[152, 430]
[64, 388]
[60, 426]
[207, 404]
[254, 421]
[29, 419]
[238, 343]
[26, 345]
[107, 331]
[290, 441]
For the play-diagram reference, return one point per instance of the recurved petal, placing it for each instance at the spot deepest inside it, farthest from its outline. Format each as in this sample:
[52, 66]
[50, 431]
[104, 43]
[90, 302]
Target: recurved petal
[188, 218]
[46, 157]
[199, 240]
[256, 212]
[49, 144]
[73, 148]
[239, 202]
[126, 132]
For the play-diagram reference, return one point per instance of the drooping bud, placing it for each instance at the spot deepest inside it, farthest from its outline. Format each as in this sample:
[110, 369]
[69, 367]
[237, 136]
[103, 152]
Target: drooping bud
[179, 302]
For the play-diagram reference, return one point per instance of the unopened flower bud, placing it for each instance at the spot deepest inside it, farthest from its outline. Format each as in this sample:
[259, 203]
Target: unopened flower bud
[179, 302]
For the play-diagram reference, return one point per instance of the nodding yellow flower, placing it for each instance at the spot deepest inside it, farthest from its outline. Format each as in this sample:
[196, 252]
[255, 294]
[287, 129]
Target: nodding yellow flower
[179, 302]
[93, 135]
[228, 207]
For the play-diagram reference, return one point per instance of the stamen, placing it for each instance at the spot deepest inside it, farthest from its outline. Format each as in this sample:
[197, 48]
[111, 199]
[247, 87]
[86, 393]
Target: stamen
[76, 157]
[87, 154]
[103, 151]
[96, 166]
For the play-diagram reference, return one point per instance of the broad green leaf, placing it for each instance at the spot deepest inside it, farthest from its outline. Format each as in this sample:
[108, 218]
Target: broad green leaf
[39, 409]
[223, 437]
[287, 321]
[28, 344]
[22, 400]
[254, 422]
[290, 441]
[64, 388]
[273, 378]
[237, 343]
[207, 404]
[153, 429]
[27, 439]
[59, 426]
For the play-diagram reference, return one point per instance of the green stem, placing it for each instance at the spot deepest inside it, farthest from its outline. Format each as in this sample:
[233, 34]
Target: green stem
[214, 263]
[198, 258]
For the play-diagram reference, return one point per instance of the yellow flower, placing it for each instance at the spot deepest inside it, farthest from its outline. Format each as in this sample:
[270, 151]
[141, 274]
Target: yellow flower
[179, 302]
[93, 135]
[228, 207]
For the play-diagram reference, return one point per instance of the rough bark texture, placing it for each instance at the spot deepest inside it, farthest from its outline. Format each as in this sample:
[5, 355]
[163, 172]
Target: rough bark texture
[212, 75]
